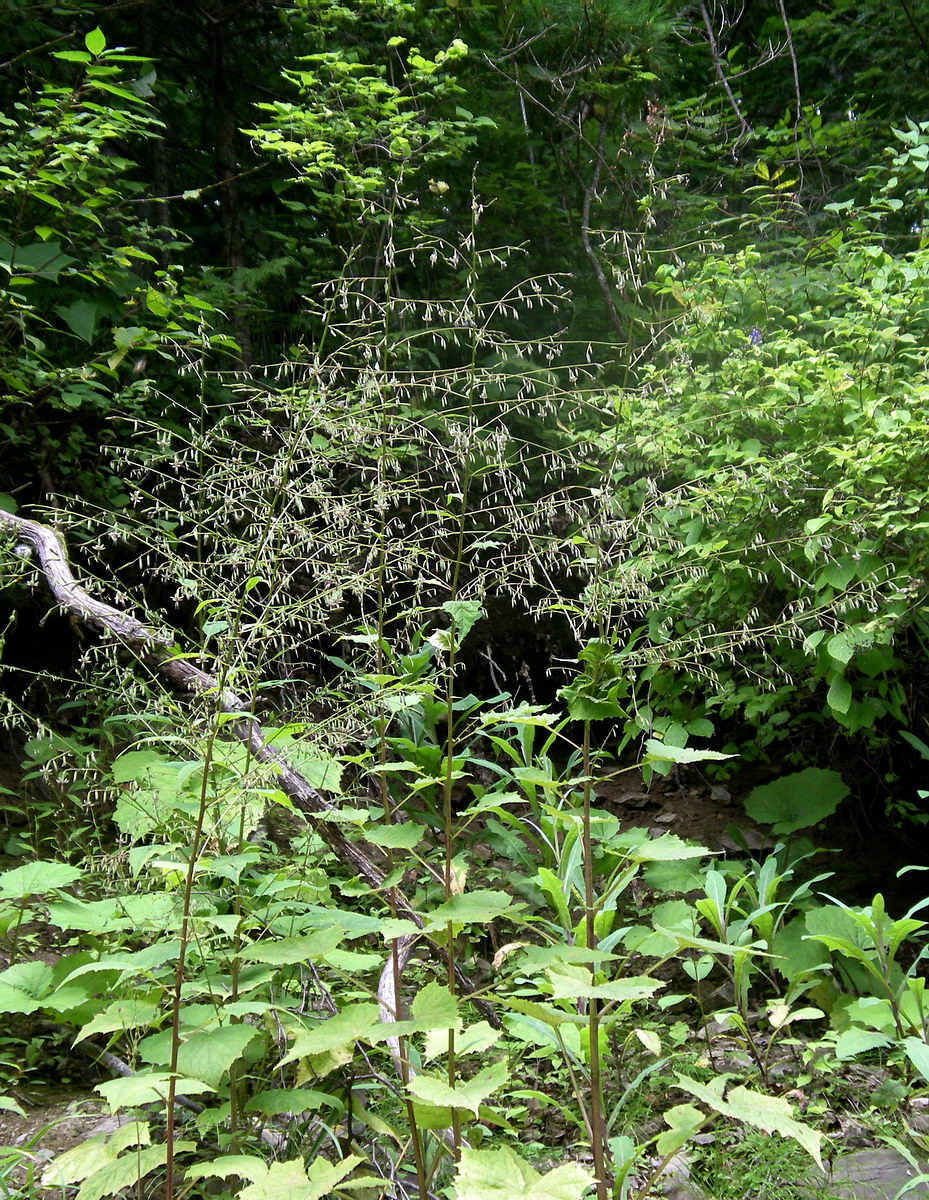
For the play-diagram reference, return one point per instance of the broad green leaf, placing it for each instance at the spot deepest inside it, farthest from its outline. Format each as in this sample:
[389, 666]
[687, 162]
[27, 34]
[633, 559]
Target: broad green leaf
[290, 1100]
[95, 42]
[14, 1000]
[661, 752]
[80, 316]
[396, 837]
[477, 1038]
[146, 1088]
[855, 1040]
[839, 699]
[683, 1122]
[210, 1054]
[434, 1007]
[37, 878]
[574, 982]
[667, 848]
[292, 1181]
[119, 1016]
[284, 951]
[797, 801]
[840, 649]
[88, 1157]
[469, 1093]
[335, 1033]
[918, 1053]
[136, 962]
[465, 614]
[131, 1168]
[478, 908]
[502, 1175]
[8, 1104]
[771, 1114]
[245, 1166]
[545, 1014]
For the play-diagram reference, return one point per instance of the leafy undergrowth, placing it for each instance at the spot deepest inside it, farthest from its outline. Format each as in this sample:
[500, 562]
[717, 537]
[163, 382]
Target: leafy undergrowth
[636, 998]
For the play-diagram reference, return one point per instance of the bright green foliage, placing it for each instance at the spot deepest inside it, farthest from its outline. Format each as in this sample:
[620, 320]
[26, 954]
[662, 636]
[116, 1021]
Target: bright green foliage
[83, 296]
[767, 555]
[495, 1174]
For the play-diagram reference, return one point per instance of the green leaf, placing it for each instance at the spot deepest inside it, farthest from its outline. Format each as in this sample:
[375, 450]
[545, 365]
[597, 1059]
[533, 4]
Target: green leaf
[95, 42]
[245, 1166]
[335, 1033]
[37, 878]
[771, 1114]
[127, 1171]
[840, 649]
[81, 318]
[147, 1088]
[851, 1042]
[284, 951]
[120, 1016]
[480, 908]
[662, 752]
[797, 801]
[918, 1053]
[839, 696]
[502, 1175]
[469, 1094]
[667, 848]
[292, 1181]
[90, 1156]
[434, 1007]
[209, 1055]
[465, 614]
[574, 982]
[396, 837]
[684, 1121]
[290, 1100]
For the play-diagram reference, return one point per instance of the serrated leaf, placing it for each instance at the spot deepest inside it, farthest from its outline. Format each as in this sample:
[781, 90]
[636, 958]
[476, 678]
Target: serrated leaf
[290, 950]
[574, 983]
[208, 1055]
[37, 878]
[662, 752]
[771, 1114]
[851, 1042]
[480, 907]
[128, 1170]
[148, 1088]
[335, 1033]
[684, 1120]
[469, 1094]
[502, 1175]
[245, 1166]
[82, 1161]
[120, 1015]
[292, 1181]
[434, 1007]
[668, 848]
[396, 837]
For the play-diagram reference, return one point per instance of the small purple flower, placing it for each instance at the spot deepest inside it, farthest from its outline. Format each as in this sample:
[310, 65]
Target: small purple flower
[755, 337]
